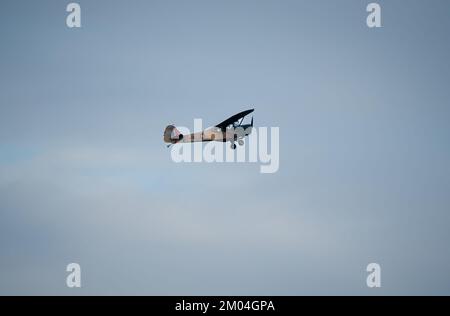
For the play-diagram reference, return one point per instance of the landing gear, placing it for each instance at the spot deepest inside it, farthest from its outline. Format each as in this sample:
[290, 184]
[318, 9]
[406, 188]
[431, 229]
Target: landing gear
[233, 146]
[241, 142]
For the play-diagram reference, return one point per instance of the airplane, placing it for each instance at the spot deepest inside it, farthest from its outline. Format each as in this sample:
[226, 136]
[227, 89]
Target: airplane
[231, 130]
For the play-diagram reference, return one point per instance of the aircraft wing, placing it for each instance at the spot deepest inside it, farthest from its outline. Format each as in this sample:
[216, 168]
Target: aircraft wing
[233, 119]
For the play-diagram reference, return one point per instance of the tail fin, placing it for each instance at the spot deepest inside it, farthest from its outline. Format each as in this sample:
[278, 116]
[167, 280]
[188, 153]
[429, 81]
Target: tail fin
[172, 135]
[168, 133]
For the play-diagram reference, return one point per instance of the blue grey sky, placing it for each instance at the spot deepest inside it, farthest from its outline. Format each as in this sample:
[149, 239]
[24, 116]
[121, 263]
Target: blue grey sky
[364, 150]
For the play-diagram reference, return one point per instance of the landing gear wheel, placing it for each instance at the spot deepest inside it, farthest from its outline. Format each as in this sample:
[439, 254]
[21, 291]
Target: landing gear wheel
[240, 142]
[233, 146]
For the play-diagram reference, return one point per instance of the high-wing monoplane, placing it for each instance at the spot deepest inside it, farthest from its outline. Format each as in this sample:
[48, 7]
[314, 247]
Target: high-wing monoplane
[232, 130]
